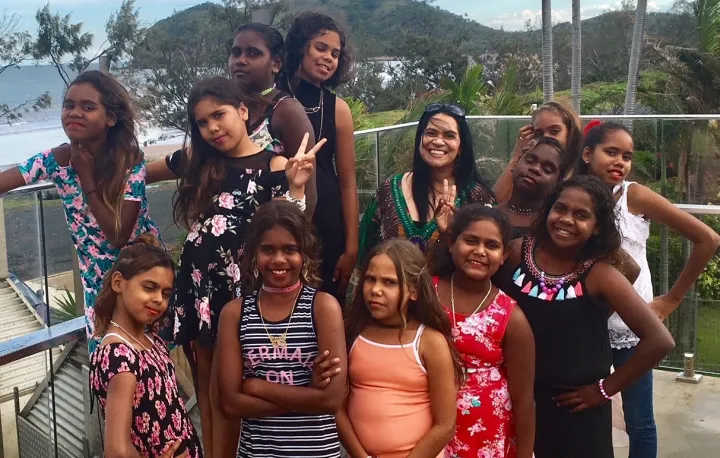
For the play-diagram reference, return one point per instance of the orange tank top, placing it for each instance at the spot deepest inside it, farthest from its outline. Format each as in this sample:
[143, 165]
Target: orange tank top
[389, 401]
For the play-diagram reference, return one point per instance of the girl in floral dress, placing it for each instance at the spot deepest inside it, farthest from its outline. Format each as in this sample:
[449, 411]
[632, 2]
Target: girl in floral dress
[131, 372]
[226, 178]
[495, 408]
[100, 177]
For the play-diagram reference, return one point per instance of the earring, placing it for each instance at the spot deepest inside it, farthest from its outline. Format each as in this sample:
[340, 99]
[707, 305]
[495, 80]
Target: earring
[304, 272]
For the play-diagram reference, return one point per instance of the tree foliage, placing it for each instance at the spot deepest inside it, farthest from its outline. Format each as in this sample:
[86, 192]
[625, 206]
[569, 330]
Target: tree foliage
[16, 48]
[65, 45]
[176, 53]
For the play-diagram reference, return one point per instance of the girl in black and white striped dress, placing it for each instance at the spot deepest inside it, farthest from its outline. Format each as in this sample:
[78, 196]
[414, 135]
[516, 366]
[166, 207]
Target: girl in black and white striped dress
[269, 338]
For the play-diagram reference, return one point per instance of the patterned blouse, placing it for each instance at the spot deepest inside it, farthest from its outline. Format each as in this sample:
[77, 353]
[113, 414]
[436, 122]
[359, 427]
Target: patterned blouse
[96, 255]
[388, 216]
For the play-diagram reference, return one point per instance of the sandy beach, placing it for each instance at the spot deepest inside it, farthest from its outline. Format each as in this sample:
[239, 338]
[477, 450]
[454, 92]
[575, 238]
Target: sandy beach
[154, 152]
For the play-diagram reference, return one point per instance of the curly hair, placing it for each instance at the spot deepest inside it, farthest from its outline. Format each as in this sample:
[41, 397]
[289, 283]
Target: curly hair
[411, 270]
[121, 151]
[304, 28]
[570, 119]
[464, 217]
[144, 254]
[601, 246]
[287, 215]
[202, 172]
[595, 137]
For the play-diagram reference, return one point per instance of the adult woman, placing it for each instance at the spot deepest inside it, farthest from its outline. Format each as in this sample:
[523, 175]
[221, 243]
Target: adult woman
[317, 60]
[406, 204]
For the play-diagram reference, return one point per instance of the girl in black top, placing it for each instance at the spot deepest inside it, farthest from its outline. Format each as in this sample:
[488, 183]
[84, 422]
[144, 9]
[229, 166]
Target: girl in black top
[535, 173]
[561, 277]
[317, 59]
[275, 118]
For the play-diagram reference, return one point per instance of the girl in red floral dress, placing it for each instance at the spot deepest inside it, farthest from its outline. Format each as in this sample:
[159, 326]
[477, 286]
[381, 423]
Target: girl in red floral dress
[495, 409]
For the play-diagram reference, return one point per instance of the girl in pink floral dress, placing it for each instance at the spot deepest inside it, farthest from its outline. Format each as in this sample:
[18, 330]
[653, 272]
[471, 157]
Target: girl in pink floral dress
[131, 372]
[495, 408]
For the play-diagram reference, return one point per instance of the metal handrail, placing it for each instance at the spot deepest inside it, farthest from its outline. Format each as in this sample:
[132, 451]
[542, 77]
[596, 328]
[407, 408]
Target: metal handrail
[41, 340]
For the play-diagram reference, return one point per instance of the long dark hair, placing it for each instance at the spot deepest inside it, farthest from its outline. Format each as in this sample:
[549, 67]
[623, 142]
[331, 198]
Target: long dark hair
[575, 135]
[121, 151]
[604, 244]
[144, 254]
[593, 138]
[273, 39]
[304, 28]
[464, 217]
[204, 170]
[465, 169]
[288, 216]
[411, 270]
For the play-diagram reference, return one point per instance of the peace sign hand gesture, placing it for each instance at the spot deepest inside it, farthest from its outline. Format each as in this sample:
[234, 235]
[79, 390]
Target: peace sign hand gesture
[299, 168]
[446, 207]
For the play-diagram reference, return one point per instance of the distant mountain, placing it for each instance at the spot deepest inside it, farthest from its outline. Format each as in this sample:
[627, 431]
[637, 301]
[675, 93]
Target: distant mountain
[376, 26]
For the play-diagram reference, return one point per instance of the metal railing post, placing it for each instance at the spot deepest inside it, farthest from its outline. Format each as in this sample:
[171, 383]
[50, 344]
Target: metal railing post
[377, 158]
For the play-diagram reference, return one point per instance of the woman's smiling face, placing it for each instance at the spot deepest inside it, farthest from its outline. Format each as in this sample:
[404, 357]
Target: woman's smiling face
[440, 145]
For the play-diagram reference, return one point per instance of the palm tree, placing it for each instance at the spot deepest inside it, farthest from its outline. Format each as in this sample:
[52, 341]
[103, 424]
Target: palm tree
[635, 52]
[576, 78]
[547, 51]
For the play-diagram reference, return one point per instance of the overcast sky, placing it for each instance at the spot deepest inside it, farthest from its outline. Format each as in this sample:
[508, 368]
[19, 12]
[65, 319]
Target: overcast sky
[511, 15]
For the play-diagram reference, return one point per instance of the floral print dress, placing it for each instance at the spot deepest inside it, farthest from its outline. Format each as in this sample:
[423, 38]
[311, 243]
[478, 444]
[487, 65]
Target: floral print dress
[159, 415]
[96, 255]
[485, 422]
[209, 272]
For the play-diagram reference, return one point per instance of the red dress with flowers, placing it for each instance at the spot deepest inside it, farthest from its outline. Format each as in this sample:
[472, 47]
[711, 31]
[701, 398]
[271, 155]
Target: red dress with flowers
[159, 415]
[485, 422]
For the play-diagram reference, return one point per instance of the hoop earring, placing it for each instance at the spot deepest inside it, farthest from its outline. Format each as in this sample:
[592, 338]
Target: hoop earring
[256, 273]
[304, 272]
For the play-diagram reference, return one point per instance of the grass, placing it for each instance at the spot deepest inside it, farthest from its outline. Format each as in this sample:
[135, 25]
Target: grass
[384, 118]
[708, 338]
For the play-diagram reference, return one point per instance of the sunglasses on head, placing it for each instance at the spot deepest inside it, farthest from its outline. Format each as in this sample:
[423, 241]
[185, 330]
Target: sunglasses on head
[436, 107]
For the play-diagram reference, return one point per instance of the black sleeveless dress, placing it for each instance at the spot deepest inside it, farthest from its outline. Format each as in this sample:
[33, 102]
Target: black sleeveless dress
[572, 349]
[328, 217]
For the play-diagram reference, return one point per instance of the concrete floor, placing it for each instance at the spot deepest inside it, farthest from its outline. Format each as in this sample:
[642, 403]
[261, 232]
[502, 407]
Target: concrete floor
[687, 417]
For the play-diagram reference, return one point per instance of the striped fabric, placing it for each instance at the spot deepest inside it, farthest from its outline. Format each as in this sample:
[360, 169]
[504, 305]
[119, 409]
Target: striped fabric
[292, 434]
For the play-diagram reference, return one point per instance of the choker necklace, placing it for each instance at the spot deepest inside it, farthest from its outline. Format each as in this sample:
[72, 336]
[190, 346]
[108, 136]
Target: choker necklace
[387, 326]
[287, 289]
[267, 91]
[521, 211]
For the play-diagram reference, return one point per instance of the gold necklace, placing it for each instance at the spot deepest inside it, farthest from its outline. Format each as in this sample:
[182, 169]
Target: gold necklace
[452, 298]
[114, 323]
[281, 340]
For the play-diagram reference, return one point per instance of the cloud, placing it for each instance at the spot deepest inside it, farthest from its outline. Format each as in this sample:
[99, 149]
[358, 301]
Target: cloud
[518, 20]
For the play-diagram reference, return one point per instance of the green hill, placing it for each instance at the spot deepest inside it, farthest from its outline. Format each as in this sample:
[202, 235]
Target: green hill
[377, 26]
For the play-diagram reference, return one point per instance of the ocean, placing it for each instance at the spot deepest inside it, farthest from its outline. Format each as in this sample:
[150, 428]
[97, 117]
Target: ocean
[39, 131]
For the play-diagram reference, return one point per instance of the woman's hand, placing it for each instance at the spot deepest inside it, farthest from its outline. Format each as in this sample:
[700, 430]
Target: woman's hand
[446, 207]
[84, 164]
[298, 169]
[324, 368]
[581, 398]
[170, 452]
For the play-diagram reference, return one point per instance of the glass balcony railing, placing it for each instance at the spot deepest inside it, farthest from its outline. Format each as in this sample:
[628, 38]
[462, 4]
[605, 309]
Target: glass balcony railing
[46, 412]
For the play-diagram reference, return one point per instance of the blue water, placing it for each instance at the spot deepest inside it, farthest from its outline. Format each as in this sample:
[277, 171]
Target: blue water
[35, 131]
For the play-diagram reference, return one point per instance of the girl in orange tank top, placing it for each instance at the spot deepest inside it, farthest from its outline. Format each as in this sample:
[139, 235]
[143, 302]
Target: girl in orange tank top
[403, 371]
